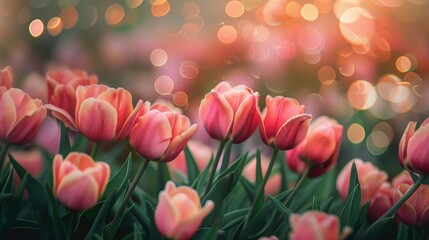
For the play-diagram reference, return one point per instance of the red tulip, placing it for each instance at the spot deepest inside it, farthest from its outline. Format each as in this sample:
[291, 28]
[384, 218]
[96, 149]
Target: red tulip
[314, 225]
[381, 202]
[230, 112]
[415, 211]
[284, 123]
[6, 77]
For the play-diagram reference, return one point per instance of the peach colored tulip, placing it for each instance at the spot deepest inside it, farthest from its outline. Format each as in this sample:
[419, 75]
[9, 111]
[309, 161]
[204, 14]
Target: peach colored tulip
[413, 150]
[314, 225]
[403, 177]
[380, 203]
[161, 135]
[201, 153]
[415, 211]
[102, 113]
[319, 150]
[274, 182]
[20, 116]
[230, 112]
[62, 85]
[6, 77]
[79, 181]
[370, 179]
[179, 213]
[284, 124]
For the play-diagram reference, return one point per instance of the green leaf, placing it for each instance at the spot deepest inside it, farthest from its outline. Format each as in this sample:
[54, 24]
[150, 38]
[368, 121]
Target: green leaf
[217, 194]
[137, 233]
[20, 223]
[64, 140]
[286, 212]
[199, 182]
[154, 234]
[350, 212]
[325, 206]
[226, 155]
[120, 179]
[236, 168]
[141, 218]
[191, 166]
[232, 218]
[353, 179]
[80, 143]
[99, 223]
[403, 232]
[316, 205]
[205, 233]
[258, 173]
[380, 229]
[54, 214]
[249, 188]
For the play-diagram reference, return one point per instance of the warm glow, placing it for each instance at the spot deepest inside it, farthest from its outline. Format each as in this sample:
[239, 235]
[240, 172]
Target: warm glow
[361, 95]
[69, 15]
[134, 3]
[227, 34]
[158, 57]
[114, 14]
[309, 12]
[293, 9]
[234, 9]
[55, 26]
[261, 33]
[160, 10]
[403, 64]
[355, 133]
[386, 84]
[327, 75]
[180, 99]
[357, 26]
[310, 40]
[36, 28]
[164, 85]
[190, 10]
[189, 69]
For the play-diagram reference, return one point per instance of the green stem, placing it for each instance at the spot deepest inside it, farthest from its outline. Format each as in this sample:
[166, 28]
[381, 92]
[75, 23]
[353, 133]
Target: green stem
[71, 225]
[264, 182]
[214, 167]
[3, 153]
[94, 150]
[129, 193]
[227, 155]
[297, 186]
[161, 183]
[407, 195]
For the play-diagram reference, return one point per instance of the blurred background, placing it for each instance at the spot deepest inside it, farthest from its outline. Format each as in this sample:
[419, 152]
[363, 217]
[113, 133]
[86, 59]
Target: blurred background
[362, 62]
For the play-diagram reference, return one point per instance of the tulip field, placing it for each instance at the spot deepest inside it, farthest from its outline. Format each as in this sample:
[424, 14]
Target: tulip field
[230, 119]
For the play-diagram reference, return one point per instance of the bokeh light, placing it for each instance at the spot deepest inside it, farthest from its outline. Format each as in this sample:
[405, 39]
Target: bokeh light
[234, 9]
[36, 28]
[309, 12]
[355, 133]
[55, 26]
[158, 57]
[361, 94]
[114, 14]
[227, 34]
[164, 85]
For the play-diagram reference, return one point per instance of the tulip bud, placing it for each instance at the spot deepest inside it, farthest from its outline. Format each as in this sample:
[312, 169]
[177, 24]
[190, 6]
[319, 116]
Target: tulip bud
[230, 112]
[20, 116]
[314, 225]
[413, 151]
[6, 77]
[415, 211]
[284, 123]
[79, 181]
[370, 179]
[319, 151]
[179, 213]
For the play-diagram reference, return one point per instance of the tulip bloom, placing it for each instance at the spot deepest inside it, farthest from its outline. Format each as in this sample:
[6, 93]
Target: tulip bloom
[319, 151]
[161, 134]
[179, 213]
[284, 123]
[274, 182]
[415, 211]
[201, 153]
[402, 177]
[102, 113]
[314, 225]
[381, 202]
[413, 150]
[370, 179]
[20, 116]
[6, 77]
[230, 112]
[79, 181]
[62, 85]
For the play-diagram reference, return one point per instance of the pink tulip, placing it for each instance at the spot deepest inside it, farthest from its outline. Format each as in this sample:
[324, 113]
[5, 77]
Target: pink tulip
[370, 179]
[201, 153]
[380, 203]
[6, 77]
[413, 150]
[178, 213]
[415, 211]
[62, 85]
[403, 177]
[314, 225]
[284, 123]
[161, 134]
[319, 150]
[274, 182]
[230, 112]
[20, 116]
[102, 113]
[79, 181]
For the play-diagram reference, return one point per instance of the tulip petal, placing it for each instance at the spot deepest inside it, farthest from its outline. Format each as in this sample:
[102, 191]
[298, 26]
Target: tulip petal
[417, 150]
[81, 160]
[121, 100]
[78, 191]
[166, 216]
[63, 116]
[8, 115]
[292, 132]
[319, 146]
[56, 166]
[246, 119]
[128, 124]
[27, 128]
[187, 227]
[6, 77]
[85, 92]
[97, 120]
[216, 115]
[403, 144]
[178, 143]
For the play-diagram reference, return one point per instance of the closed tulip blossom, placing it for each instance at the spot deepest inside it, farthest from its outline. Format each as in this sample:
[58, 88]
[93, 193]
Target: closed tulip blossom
[403, 177]
[284, 124]
[319, 151]
[230, 112]
[380, 203]
[370, 179]
[79, 181]
[415, 211]
[160, 134]
[6, 77]
[413, 150]
[20, 116]
[314, 225]
[179, 214]
[102, 113]
[62, 85]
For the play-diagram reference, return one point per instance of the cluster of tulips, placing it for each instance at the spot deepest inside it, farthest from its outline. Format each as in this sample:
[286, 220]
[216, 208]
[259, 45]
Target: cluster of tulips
[201, 195]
